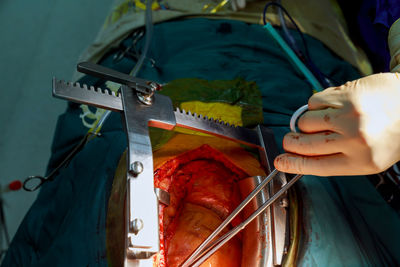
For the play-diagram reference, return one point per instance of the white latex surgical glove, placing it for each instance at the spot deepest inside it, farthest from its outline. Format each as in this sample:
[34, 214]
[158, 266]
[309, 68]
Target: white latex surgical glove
[353, 129]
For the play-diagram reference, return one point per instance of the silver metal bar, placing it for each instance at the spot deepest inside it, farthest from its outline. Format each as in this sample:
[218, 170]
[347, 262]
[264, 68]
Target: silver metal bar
[87, 95]
[277, 214]
[278, 226]
[140, 85]
[211, 249]
[234, 213]
[217, 128]
[142, 202]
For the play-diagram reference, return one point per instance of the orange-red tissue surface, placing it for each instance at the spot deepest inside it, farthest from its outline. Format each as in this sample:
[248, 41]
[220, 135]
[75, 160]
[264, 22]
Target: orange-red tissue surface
[203, 191]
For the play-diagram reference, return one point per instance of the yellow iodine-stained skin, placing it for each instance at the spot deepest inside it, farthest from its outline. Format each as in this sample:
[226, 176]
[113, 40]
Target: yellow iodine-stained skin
[181, 143]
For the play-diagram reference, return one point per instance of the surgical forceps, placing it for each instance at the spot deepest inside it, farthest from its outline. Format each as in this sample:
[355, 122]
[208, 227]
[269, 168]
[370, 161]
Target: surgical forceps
[34, 182]
[206, 248]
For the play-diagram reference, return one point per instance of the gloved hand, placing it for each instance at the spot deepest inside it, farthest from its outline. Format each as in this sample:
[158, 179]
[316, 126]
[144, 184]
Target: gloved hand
[238, 4]
[352, 129]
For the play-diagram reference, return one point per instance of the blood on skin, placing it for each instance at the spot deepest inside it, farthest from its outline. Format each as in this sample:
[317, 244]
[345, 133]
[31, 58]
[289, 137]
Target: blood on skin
[283, 162]
[296, 137]
[203, 192]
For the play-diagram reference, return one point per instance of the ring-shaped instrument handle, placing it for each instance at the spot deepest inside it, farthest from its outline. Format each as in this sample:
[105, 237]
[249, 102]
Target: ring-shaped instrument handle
[296, 115]
[35, 184]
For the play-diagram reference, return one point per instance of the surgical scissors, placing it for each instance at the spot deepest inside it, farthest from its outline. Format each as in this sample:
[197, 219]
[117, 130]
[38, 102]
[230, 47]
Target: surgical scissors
[34, 182]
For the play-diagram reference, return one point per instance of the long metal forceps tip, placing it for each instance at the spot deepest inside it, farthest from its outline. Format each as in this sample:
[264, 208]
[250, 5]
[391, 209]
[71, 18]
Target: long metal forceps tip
[206, 248]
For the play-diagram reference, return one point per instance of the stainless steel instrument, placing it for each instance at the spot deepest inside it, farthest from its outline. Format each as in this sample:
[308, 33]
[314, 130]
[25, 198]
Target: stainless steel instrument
[207, 248]
[142, 107]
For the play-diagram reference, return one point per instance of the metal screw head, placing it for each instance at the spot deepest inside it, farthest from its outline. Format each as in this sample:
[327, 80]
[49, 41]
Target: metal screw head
[136, 167]
[145, 99]
[136, 225]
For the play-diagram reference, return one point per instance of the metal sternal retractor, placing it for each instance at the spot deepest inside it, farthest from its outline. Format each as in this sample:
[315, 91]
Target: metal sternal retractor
[207, 247]
[142, 107]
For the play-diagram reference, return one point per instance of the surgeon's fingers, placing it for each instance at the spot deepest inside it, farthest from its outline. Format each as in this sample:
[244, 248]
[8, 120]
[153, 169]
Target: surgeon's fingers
[319, 121]
[329, 98]
[319, 165]
[324, 143]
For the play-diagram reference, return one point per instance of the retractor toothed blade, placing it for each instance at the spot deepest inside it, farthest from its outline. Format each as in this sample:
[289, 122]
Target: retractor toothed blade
[103, 99]
[186, 119]
[87, 95]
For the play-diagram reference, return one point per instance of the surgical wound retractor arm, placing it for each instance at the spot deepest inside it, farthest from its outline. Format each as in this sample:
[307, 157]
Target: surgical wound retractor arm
[141, 106]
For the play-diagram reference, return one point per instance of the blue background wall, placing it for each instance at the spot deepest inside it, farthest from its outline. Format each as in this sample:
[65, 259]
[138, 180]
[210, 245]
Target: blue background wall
[38, 40]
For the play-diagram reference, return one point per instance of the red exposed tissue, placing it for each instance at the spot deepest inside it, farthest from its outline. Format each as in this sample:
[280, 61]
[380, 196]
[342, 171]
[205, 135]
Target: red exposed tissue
[203, 191]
